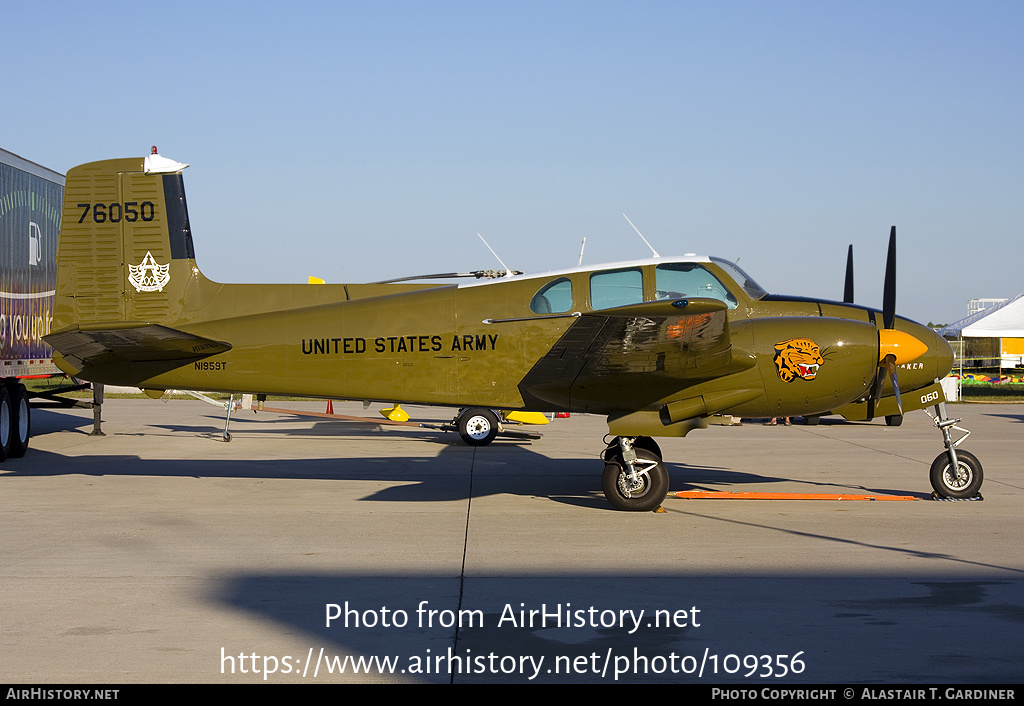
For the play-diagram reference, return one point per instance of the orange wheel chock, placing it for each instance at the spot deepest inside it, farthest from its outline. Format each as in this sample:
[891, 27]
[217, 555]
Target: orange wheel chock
[722, 495]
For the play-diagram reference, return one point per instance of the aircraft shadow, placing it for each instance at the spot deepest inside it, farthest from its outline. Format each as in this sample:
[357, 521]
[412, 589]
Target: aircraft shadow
[505, 466]
[445, 476]
[319, 429]
[48, 420]
[484, 623]
[1012, 417]
[455, 472]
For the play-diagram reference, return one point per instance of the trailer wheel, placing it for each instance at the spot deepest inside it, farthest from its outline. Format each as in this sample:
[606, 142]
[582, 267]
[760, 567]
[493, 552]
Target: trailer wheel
[5, 423]
[478, 426]
[21, 420]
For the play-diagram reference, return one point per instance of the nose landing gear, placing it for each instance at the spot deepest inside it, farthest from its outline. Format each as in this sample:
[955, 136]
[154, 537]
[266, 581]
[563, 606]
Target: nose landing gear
[954, 474]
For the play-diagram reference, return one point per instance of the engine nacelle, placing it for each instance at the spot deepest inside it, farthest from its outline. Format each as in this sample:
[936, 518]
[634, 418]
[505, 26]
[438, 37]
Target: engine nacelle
[812, 364]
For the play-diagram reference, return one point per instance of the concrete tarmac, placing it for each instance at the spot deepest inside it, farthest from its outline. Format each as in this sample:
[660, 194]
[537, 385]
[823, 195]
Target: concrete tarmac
[315, 551]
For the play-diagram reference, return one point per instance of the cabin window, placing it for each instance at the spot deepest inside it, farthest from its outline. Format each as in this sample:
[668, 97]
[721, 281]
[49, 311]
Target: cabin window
[553, 298]
[616, 288]
[677, 280]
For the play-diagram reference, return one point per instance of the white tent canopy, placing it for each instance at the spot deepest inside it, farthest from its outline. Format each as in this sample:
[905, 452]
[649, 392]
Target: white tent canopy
[1004, 320]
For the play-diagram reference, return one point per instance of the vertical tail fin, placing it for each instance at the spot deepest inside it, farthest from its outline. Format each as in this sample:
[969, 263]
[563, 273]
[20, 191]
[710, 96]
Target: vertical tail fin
[124, 265]
[125, 253]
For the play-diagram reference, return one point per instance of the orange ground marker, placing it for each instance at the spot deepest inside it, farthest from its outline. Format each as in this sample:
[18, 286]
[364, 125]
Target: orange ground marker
[722, 495]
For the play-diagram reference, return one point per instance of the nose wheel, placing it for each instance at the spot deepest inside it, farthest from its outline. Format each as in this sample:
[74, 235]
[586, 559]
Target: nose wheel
[963, 482]
[954, 474]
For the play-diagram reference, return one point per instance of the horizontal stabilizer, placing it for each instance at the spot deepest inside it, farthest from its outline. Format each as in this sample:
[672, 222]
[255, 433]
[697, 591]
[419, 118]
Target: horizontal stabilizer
[98, 346]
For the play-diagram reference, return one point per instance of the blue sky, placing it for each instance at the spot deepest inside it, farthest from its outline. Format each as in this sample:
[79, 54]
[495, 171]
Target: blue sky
[360, 141]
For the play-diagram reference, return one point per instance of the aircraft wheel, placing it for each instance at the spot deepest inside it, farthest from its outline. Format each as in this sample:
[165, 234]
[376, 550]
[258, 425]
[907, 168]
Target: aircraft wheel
[651, 488]
[21, 420]
[964, 483]
[478, 426]
[5, 423]
[812, 420]
[893, 420]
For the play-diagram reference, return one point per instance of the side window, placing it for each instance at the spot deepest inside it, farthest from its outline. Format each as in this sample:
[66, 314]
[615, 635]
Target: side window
[687, 279]
[616, 288]
[553, 298]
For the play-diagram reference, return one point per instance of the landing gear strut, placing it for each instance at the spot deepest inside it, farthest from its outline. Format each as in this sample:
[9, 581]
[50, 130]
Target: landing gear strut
[954, 474]
[634, 477]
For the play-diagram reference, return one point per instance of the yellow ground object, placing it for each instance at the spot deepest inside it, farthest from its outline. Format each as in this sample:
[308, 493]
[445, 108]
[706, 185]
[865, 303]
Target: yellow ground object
[316, 280]
[1013, 346]
[395, 414]
[527, 417]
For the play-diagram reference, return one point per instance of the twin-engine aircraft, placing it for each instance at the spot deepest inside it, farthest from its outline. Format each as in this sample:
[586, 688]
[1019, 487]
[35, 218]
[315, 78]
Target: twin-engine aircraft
[656, 345]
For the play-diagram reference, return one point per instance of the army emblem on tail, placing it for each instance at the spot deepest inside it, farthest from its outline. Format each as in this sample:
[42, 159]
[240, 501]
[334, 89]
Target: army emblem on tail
[149, 276]
[797, 358]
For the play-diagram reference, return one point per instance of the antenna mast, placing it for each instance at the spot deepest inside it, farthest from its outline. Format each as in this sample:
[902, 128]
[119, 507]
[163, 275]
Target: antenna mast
[641, 235]
[507, 270]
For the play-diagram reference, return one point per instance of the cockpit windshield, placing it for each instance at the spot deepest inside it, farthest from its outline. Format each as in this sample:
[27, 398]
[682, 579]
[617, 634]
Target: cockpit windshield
[752, 288]
[675, 280]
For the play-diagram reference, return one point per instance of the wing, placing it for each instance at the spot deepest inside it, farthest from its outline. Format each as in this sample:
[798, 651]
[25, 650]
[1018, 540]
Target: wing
[631, 356]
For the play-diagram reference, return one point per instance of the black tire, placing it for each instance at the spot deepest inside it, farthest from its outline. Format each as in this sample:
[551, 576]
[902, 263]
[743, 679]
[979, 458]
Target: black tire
[965, 484]
[812, 420]
[21, 420]
[893, 420]
[6, 427]
[478, 426]
[654, 483]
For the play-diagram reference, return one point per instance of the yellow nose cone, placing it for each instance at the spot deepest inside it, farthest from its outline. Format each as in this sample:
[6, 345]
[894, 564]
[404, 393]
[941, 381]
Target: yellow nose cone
[900, 344]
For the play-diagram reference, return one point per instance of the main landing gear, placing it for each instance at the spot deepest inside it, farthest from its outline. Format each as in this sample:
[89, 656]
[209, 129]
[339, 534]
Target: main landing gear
[634, 477]
[954, 474]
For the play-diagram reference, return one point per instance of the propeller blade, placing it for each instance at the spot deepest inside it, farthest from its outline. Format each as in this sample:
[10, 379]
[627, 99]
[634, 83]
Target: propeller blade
[889, 288]
[891, 344]
[848, 289]
[876, 390]
[890, 363]
[887, 365]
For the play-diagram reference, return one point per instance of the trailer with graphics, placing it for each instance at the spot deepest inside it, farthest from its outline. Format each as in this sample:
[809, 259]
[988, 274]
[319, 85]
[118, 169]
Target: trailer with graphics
[31, 199]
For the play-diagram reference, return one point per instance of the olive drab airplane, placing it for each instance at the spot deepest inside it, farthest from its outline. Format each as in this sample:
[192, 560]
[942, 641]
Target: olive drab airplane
[656, 345]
